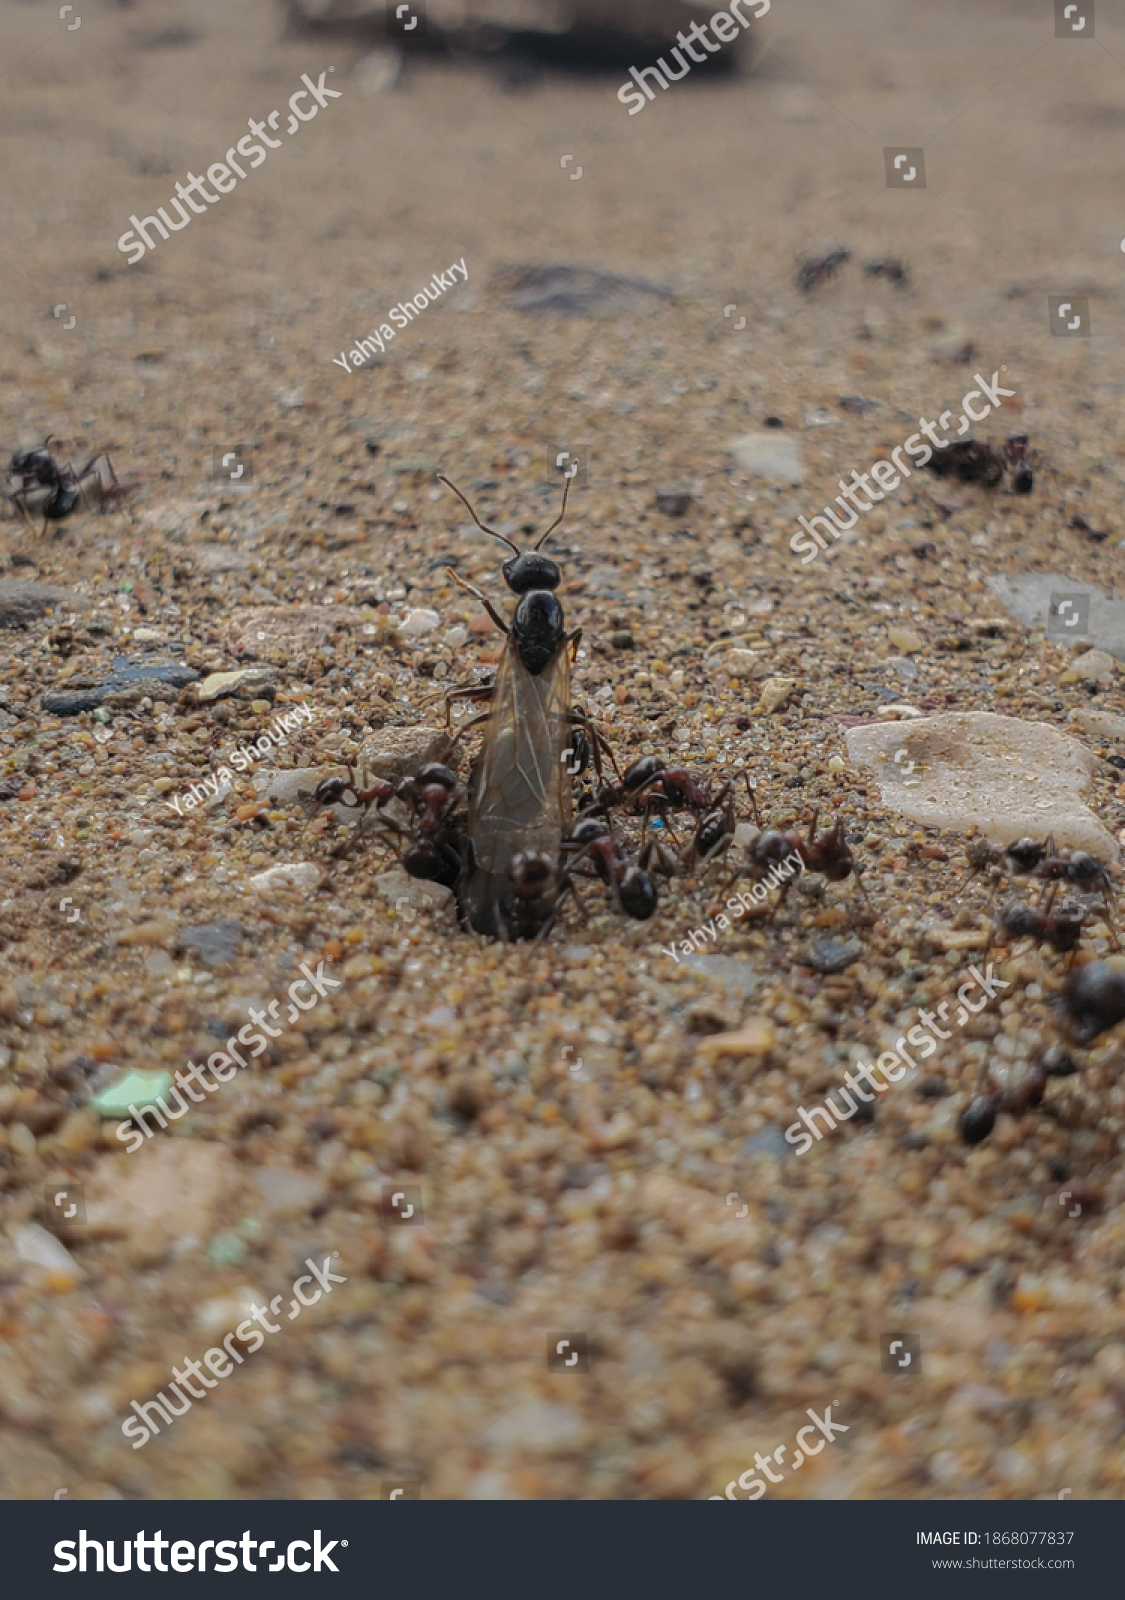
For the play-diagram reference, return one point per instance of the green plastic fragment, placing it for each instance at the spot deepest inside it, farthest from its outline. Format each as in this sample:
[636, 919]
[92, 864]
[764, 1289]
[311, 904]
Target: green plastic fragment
[136, 1088]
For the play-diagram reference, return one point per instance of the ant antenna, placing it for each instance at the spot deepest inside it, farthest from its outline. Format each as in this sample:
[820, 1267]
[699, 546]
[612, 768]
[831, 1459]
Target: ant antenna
[502, 537]
[558, 519]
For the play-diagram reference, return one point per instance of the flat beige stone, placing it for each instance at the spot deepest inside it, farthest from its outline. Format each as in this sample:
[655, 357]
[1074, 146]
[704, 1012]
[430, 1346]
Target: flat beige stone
[167, 1190]
[1102, 724]
[975, 770]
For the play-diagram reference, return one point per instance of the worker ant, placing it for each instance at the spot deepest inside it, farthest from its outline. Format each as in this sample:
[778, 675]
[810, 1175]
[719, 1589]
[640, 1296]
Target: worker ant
[716, 828]
[1040, 858]
[978, 1121]
[436, 849]
[830, 855]
[1061, 929]
[630, 883]
[58, 488]
[1093, 1000]
[976, 461]
[815, 269]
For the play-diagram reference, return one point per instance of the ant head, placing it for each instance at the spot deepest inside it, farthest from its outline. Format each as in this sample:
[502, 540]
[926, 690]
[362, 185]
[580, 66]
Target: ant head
[638, 894]
[528, 569]
[641, 772]
[532, 873]
[531, 571]
[434, 772]
[586, 832]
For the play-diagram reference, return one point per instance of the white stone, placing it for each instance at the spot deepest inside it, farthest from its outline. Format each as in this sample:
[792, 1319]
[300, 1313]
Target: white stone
[1093, 666]
[768, 455]
[743, 664]
[418, 622]
[286, 875]
[38, 1248]
[1099, 723]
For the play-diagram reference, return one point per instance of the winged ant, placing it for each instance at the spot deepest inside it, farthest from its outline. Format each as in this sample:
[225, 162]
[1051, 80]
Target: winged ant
[520, 804]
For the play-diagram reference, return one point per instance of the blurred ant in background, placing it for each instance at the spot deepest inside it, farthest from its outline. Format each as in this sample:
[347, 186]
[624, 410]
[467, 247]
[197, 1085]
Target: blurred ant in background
[36, 473]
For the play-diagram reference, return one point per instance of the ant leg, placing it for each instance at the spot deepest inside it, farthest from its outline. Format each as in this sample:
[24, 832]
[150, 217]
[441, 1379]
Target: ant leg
[473, 722]
[599, 744]
[468, 691]
[20, 498]
[860, 885]
[484, 600]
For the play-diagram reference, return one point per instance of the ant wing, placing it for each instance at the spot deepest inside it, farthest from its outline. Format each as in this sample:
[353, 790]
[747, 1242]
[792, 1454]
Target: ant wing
[520, 797]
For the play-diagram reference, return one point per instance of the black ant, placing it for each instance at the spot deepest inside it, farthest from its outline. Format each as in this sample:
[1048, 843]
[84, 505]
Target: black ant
[816, 269]
[1039, 858]
[1073, 866]
[37, 470]
[1061, 929]
[1015, 451]
[978, 1121]
[1094, 1000]
[716, 828]
[976, 461]
[630, 884]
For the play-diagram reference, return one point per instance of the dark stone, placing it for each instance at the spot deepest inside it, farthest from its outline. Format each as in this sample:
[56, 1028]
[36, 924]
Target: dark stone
[22, 601]
[829, 955]
[674, 502]
[215, 943]
[766, 1142]
[131, 677]
[568, 291]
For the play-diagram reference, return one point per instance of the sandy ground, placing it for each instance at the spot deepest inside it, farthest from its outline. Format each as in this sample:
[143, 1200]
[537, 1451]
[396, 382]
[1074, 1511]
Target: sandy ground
[552, 1202]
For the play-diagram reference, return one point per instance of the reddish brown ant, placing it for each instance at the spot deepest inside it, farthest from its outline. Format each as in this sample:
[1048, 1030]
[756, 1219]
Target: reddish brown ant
[1061, 929]
[830, 855]
[435, 852]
